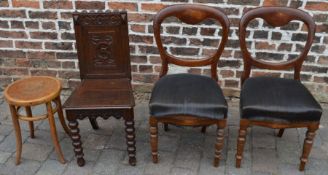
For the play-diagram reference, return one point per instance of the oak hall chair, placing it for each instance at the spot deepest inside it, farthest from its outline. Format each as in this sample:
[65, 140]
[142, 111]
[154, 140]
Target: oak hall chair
[105, 91]
[277, 102]
[187, 99]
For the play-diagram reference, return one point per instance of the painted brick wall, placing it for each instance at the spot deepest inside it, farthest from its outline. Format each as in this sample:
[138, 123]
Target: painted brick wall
[37, 38]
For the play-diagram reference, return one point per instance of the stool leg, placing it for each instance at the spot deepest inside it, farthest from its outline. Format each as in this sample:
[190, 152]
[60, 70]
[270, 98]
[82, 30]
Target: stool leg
[17, 132]
[61, 116]
[54, 133]
[30, 123]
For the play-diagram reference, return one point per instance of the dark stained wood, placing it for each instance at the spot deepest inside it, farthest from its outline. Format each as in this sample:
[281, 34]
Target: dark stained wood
[102, 45]
[276, 16]
[190, 14]
[105, 90]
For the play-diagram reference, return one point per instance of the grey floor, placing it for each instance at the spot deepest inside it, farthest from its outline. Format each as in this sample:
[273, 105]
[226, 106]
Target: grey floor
[181, 150]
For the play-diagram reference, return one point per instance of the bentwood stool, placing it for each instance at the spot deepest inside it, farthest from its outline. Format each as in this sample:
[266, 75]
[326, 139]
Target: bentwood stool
[277, 103]
[187, 99]
[29, 92]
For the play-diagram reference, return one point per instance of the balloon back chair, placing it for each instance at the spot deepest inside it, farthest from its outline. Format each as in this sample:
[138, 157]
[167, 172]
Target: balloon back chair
[187, 99]
[277, 102]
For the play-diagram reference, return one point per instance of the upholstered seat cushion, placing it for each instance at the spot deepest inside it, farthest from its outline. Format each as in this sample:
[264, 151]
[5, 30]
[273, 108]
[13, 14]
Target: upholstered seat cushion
[187, 94]
[277, 99]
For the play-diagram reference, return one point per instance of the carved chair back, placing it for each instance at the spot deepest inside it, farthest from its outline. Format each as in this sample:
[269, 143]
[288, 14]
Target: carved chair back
[102, 45]
[191, 14]
[276, 17]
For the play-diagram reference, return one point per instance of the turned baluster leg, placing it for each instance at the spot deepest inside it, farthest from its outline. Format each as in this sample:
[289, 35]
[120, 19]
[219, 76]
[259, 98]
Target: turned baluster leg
[53, 132]
[241, 142]
[281, 132]
[153, 138]
[17, 133]
[130, 138]
[308, 142]
[94, 123]
[219, 142]
[76, 139]
[61, 116]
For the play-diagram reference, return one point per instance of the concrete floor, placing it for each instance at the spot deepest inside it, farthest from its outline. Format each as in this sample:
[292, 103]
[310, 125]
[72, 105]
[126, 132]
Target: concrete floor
[182, 150]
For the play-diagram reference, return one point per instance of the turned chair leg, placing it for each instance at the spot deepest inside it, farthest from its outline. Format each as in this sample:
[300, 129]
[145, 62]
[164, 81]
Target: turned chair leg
[281, 132]
[241, 141]
[219, 142]
[53, 132]
[61, 116]
[30, 123]
[308, 142]
[17, 133]
[130, 138]
[154, 138]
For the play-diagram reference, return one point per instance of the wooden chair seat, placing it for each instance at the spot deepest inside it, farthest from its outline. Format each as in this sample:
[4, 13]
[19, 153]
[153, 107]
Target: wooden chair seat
[183, 94]
[277, 99]
[101, 93]
[33, 91]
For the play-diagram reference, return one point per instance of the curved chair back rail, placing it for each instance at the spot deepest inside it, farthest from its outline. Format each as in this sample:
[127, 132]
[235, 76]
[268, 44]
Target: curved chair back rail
[191, 14]
[270, 15]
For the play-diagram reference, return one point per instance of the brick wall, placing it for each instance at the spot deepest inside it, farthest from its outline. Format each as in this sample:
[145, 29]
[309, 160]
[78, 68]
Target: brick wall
[37, 38]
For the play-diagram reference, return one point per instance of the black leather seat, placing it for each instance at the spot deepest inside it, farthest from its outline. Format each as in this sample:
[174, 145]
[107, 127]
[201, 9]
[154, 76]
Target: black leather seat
[187, 94]
[277, 99]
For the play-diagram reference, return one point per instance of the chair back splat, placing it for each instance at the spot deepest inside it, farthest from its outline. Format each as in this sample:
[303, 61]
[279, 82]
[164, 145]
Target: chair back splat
[271, 16]
[99, 57]
[191, 14]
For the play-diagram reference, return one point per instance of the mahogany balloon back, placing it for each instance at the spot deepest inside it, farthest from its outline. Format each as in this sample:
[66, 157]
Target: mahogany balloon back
[276, 17]
[277, 103]
[191, 14]
[102, 45]
[183, 109]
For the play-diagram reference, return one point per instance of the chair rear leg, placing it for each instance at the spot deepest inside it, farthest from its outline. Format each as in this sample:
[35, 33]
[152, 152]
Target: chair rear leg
[308, 142]
[154, 138]
[281, 132]
[241, 141]
[94, 123]
[166, 127]
[204, 129]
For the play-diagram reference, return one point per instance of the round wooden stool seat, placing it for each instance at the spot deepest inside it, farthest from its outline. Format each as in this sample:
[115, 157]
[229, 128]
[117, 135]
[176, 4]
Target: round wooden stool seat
[32, 91]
